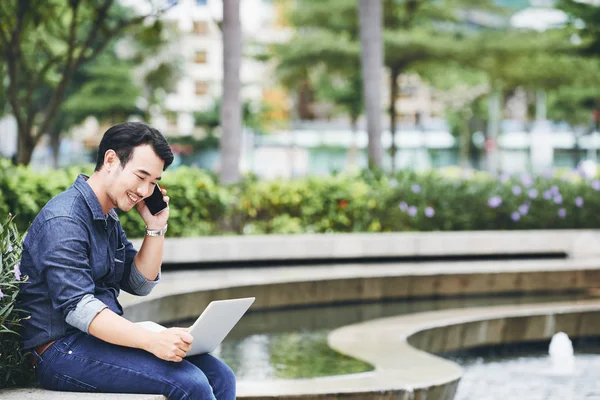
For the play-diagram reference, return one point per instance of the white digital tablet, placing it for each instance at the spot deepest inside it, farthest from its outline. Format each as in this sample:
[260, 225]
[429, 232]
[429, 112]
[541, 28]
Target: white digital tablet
[213, 325]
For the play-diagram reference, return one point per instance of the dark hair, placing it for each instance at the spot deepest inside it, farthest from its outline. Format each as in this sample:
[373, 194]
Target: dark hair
[123, 138]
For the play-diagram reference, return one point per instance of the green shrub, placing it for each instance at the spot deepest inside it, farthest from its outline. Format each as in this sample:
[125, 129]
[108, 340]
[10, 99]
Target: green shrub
[15, 369]
[368, 202]
[25, 191]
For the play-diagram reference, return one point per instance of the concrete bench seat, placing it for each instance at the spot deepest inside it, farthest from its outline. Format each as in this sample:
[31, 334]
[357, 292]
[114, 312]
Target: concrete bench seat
[41, 394]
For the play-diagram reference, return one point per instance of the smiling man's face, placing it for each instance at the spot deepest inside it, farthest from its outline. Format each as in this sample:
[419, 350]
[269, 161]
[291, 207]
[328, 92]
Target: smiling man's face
[127, 186]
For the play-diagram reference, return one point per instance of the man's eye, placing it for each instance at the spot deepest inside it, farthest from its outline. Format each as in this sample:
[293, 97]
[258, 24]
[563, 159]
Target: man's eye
[139, 177]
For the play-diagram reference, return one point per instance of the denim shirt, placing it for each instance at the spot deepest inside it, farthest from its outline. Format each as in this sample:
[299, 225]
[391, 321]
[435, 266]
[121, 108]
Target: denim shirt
[77, 260]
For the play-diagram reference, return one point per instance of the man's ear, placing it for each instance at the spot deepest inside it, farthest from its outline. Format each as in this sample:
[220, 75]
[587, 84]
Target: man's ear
[111, 160]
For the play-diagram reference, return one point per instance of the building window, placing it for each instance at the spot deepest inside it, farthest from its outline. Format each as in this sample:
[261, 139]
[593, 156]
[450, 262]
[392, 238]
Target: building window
[201, 27]
[201, 88]
[200, 57]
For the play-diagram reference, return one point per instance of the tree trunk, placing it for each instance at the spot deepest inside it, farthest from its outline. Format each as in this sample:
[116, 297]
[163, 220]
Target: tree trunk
[465, 135]
[305, 100]
[353, 151]
[394, 73]
[55, 144]
[26, 144]
[231, 109]
[370, 19]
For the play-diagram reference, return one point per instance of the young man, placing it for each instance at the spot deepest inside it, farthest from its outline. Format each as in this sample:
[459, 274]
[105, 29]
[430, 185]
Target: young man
[78, 258]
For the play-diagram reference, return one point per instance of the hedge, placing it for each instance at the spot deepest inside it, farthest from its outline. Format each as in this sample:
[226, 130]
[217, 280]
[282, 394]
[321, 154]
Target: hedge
[367, 202]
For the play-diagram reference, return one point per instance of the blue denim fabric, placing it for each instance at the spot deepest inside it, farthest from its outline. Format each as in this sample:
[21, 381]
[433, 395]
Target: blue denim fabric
[82, 363]
[77, 260]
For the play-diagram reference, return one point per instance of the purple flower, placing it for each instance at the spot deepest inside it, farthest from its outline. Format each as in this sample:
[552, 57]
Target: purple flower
[10, 248]
[515, 216]
[17, 272]
[558, 199]
[416, 188]
[429, 212]
[579, 202]
[554, 190]
[412, 211]
[547, 194]
[562, 212]
[504, 177]
[516, 190]
[393, 182]
[403, 206]
[523, 209]
[533, 193]
[1, 294]
[526, 180]
[495, 201]
[596, 184]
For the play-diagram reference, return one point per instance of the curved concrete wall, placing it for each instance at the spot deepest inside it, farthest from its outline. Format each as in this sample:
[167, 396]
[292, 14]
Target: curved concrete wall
[274, 294]
[575, 243]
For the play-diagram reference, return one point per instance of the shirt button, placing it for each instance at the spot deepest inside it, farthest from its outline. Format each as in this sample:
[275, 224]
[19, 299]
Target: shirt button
[70, 352]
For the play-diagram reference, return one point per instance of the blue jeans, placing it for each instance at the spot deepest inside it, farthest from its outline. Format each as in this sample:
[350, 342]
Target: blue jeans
[83, 363]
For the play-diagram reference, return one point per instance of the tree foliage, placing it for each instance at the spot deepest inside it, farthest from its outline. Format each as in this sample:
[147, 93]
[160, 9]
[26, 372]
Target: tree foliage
[44, 44]
[583, 22]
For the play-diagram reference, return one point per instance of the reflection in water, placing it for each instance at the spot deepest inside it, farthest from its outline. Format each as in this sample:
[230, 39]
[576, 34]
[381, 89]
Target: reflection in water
[293, 343]
[286, 355]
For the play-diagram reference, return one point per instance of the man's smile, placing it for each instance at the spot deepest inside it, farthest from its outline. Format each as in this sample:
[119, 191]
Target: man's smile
[132, 198]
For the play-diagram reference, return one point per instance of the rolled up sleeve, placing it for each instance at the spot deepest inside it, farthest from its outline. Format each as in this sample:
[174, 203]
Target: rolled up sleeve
[133, 281]
[139, 284]
[85, 311]
[67, 269]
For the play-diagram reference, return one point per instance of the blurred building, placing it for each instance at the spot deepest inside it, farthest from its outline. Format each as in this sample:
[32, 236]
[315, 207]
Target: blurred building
[201, 49]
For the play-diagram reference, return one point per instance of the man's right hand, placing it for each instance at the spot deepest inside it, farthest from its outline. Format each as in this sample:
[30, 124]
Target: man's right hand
[171, 344]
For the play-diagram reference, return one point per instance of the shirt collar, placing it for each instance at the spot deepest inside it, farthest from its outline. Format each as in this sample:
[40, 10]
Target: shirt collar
[91, 199]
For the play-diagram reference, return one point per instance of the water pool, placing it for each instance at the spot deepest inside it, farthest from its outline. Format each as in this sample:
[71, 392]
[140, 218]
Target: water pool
[292, 343]
[526, 372]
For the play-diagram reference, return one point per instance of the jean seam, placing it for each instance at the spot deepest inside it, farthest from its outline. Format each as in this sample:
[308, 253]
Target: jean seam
[130, 370]
[75, 382]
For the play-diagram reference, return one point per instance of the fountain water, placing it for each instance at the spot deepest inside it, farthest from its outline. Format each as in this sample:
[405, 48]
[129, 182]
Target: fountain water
[561, 354]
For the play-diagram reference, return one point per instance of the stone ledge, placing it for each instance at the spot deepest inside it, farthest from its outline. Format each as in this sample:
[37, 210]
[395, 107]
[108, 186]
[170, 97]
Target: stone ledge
[184, 294]
[42, 394]
[575, 243]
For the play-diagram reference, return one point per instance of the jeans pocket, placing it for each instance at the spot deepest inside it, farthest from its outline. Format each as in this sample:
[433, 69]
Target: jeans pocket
[67, 383]
[46, 359]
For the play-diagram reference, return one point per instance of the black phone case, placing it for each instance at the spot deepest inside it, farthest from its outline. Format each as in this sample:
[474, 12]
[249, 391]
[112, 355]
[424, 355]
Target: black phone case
[155, 202]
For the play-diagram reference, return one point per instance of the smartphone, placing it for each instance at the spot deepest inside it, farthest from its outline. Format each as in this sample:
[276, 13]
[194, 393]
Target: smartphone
[155, 201]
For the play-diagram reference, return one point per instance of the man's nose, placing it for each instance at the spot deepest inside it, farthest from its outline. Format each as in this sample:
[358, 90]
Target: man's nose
[144, 191]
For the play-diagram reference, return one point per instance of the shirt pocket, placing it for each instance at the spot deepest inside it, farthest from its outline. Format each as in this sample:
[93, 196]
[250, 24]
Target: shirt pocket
[118, 264]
